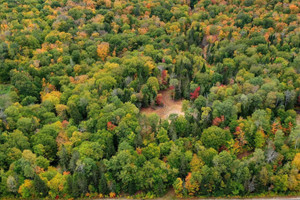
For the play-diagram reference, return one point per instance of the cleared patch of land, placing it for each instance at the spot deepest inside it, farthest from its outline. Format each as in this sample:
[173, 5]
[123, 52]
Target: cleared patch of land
[169, 106]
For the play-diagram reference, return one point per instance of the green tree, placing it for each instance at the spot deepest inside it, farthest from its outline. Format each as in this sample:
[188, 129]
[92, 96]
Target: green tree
[18, 140]
[63, 158]
[103, 187]
[24, 83]
[226, 109]
[215, 137]
[182, 126]
[40, 186]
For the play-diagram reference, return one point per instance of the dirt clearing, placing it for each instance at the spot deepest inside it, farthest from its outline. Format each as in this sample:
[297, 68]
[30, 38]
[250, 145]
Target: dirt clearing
[169, 106]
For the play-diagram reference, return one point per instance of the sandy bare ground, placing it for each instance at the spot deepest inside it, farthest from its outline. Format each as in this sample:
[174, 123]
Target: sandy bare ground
[170, 106]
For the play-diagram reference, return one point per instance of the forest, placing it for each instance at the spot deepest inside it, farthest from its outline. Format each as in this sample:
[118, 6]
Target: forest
[82, 83]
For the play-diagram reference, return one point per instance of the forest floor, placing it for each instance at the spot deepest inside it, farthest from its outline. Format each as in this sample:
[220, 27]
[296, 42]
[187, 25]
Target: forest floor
[169, 106]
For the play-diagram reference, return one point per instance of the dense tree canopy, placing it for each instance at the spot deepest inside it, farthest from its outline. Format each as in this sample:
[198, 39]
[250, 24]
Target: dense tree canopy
[75, 75]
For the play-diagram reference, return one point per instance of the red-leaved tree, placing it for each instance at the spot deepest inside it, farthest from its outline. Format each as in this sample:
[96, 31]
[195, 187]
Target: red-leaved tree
[164, 74]
[195, 94]
[110, 126]
[159, 99]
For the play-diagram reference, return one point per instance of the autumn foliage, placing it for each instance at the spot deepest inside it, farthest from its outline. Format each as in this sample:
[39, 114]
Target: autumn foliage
[159, 99]
[130, 99]
[195, 94]
[103, 50]
[110, 126]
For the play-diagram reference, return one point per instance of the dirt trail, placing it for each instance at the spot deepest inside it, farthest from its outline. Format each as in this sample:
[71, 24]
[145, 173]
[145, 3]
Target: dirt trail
[169, 106]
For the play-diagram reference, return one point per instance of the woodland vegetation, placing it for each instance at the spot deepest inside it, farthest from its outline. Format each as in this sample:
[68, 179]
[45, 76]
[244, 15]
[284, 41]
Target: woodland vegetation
[74, 75]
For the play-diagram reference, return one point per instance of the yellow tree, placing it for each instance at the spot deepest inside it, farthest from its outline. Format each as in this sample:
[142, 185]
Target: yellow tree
[56, 185]
[192, 183]
[296, 161]
[61, 110]
[178, 187]
[53, 97]
[196, 163]
[26, 189]
[103, 50]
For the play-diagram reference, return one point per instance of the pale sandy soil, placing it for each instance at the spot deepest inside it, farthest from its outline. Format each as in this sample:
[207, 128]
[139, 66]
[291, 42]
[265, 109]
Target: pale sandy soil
[170, 106]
